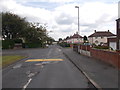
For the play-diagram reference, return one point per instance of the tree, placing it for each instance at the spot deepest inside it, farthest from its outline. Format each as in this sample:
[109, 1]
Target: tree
[12, 26]
[15, 27]
[85, 39]
[60, 39]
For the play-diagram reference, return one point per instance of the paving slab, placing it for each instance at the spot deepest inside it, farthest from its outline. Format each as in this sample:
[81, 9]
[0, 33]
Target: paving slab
[103, 74]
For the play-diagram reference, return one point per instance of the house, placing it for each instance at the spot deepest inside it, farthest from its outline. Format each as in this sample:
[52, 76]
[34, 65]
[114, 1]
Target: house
[100, 37]
[118, 33]
[76, 38]
[112, 42]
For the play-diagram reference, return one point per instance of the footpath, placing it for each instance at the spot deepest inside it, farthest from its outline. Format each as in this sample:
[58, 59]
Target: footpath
[105, 75]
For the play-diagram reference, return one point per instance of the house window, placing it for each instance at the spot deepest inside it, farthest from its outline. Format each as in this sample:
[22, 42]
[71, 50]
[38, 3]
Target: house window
[96, 41]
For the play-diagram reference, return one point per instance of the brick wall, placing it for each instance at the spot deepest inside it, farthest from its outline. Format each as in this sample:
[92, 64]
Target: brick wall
[112, 58]
[109, 57]
[85, 47]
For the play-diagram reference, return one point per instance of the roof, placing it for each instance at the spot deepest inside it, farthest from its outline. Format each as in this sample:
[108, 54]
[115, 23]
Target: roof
[118, 19]
[76, 36]
[102, 34]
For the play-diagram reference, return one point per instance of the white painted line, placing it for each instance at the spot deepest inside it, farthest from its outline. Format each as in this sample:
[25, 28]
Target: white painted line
[25, 86]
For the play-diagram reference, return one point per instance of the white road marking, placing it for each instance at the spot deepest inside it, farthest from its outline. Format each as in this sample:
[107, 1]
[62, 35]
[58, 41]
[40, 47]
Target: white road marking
[59, 49]
[17, 66]
[25, 86]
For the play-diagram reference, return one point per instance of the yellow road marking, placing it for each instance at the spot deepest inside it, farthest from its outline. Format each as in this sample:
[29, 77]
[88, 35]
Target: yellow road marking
[35, 60]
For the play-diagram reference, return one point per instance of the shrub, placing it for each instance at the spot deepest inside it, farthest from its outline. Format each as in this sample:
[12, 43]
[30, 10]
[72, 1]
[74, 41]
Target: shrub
[101, 47]
[7, 44]
[64, 44]
[31, 45]
[17, 40]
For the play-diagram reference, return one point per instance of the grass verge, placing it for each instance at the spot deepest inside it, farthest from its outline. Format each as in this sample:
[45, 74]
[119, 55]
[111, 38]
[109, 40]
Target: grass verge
[7, 60]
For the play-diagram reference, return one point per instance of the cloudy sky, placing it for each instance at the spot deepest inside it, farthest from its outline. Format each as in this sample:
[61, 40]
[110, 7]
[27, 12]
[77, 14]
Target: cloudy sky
[61, 15]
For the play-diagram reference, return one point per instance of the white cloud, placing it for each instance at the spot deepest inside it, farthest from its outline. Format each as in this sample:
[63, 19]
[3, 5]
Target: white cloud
[62, 20]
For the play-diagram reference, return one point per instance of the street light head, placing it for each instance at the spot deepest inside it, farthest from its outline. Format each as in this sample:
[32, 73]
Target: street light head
[76, 6]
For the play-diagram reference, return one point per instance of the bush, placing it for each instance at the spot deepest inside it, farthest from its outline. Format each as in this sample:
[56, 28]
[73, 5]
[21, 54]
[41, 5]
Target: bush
[31, 45]
[17, 40]
[8, 44]
[64, 44]
[101, 47]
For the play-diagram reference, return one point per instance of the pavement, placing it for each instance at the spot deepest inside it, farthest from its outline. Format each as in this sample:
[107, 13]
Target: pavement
[42, 74]
[103, 74]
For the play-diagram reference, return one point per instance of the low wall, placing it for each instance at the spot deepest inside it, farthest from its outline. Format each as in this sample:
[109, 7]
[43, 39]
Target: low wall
[75, 48]
[112, 58]
[85, 47]
[83, 52]
[109, 57]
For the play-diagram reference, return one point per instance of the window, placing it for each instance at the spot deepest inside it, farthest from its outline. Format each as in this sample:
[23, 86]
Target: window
[96, 41]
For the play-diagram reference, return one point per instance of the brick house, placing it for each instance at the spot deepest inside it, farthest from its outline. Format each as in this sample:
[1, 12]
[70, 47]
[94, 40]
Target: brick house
[100, 37]
[118, 33]
[112, 42]
[76, 38]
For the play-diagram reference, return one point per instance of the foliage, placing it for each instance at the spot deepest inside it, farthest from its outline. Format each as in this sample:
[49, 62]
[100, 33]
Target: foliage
[7, 44]
[12, 25]
[64, 44]
[85, 39]
[101, 47]
[15, 27]
[60, 39]
[31, 45]
[17, 40]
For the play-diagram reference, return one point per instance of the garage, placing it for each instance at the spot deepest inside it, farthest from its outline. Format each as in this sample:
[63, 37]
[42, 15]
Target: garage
[113, 45]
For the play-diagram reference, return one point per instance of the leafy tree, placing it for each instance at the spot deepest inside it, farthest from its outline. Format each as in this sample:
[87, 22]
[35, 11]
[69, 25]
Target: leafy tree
[60, 39]
[15, 27]
[85, 39]
[12, 25]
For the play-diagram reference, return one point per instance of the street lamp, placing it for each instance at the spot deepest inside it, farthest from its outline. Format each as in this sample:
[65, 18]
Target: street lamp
[78, 17]
[78, 21]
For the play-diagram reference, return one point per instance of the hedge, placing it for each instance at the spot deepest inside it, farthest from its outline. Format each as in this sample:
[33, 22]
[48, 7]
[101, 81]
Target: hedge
[101, 47]
[31, 45]
[8, 44]
[64, 44]
[17, 40]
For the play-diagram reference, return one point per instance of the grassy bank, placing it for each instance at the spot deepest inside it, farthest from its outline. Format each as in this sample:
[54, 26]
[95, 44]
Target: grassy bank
[7, 60]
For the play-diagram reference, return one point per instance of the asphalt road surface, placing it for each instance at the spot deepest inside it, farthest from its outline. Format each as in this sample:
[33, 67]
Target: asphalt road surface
[42, 74]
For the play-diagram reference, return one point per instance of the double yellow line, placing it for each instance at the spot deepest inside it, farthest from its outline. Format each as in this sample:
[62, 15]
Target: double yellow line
[38, 60]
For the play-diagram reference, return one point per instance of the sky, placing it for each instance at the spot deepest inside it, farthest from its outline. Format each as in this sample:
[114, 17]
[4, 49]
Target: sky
[61, 16]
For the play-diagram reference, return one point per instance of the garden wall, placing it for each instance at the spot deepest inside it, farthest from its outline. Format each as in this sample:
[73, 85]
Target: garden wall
[110, 57]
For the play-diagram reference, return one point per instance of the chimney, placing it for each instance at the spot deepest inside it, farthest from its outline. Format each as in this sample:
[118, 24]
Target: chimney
[95, 31]
[108, 30]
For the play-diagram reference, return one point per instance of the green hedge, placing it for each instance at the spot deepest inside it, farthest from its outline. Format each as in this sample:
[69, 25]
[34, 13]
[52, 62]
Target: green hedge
[101, 47]
[8, 44]
[17, 40]
[64, 44]
[31, 45]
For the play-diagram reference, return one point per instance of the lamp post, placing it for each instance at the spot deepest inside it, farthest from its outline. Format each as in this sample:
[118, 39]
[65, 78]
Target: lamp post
[78, 27]
[78, 21]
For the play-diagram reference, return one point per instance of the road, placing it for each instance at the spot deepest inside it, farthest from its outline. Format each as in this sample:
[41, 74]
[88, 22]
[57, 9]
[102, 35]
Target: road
[45, 74]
